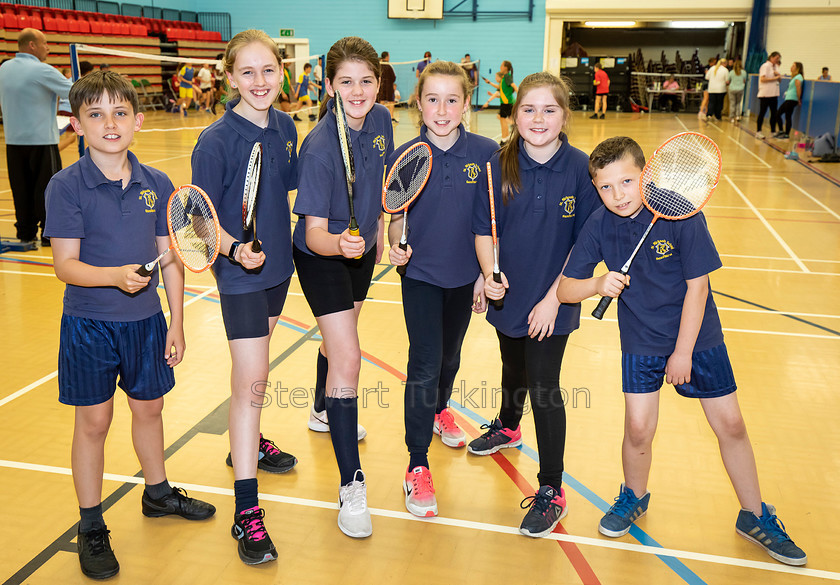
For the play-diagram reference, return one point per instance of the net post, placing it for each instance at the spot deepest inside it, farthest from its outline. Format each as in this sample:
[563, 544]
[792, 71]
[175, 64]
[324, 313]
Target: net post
[76, 73]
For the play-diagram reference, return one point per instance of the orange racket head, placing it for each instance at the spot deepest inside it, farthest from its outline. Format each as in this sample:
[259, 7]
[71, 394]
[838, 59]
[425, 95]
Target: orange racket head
[492, 202]
[407, 177]
[193, 227]
[681, 176]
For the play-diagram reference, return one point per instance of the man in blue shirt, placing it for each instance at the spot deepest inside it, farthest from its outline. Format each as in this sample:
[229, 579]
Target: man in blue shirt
[29, 90]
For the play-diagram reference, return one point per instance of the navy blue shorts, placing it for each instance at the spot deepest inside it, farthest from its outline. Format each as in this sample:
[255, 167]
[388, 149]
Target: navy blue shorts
[711, 374]
[93, 353]
[246, 315]
[332, 283]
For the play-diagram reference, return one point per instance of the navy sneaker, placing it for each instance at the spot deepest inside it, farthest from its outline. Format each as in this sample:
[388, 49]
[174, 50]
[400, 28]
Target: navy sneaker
[768, 532]
[255, 546]
[95, 555]
[496, 437]
[271, 458]
[177, 503]
[545, 509]
[626, 510]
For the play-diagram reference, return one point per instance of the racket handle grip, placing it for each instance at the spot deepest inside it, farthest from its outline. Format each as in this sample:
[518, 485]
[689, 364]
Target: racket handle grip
[255, 246]
[401, 269]
[599, 311]
[354, 231]
[146, 269]
[499, 303]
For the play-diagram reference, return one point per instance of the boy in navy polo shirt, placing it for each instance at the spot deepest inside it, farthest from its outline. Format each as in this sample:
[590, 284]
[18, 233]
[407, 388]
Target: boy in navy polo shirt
[107, 213]
[669, 328]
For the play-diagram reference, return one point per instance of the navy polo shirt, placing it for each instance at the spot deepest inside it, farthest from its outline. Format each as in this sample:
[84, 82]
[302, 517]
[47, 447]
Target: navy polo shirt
[115, 227]
[322, 186]
[439, 221]
[219, 162]
[536, 230]
[650, 309]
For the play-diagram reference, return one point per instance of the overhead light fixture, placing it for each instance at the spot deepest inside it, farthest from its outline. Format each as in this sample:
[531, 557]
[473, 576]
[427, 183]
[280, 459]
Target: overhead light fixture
[698, 24]
[610, 23]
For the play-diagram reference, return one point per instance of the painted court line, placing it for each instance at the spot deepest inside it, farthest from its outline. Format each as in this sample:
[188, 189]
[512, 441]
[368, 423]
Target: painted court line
[812, 198]
[465, 524]
[768, 226]
[751, 153]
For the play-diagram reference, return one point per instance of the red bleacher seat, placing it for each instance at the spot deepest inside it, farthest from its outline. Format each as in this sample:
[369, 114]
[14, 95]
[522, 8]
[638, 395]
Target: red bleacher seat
[107, 28]
[49, 24]
[137, 30]
[61, 24]
[23, 21]
[73, 25]
[84, 27]
[35, 21]
[189, 34]
[95, 27]
[123, 29]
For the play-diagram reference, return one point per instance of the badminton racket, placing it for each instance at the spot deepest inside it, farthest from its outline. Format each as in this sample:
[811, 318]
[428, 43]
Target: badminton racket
[675, 184]
[193, 229]
[497, 275]
[249, 194]
[403, 185]
[347, 156]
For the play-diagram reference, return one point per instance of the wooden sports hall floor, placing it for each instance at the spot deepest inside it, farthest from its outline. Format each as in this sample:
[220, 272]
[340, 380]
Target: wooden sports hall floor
[777, 227]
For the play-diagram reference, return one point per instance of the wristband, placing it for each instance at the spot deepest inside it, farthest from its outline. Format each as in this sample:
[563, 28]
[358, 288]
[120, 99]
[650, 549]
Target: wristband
[232, 252]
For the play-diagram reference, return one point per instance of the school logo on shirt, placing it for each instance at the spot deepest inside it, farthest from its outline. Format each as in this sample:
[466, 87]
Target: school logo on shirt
[149, 197]
[289, 150]
[379, 143]
[472, 171]
[568, 203]
[662, 249]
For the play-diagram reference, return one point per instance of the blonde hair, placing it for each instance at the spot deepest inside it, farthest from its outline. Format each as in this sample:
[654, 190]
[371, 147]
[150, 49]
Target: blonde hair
[509, 154]
[718, 64]
[240, 41]
[349, 49]
[737, 67]
[445, 68]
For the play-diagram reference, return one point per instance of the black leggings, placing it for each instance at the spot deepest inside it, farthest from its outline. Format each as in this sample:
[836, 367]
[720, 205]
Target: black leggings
[716, 104]
[533, 367]
[763, 104]
[786, 111]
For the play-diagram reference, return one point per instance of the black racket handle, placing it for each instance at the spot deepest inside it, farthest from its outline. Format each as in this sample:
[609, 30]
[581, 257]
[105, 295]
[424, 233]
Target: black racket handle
[599, 311]
[255, 246]
[145, 270]
[401, 269]
[499, 303]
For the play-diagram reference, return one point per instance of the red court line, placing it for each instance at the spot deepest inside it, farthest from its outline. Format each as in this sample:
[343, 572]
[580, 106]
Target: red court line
[579, 563]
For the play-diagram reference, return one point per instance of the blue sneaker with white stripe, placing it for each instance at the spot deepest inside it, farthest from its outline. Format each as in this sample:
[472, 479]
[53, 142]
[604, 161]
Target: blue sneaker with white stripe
[626, 510]
[768, 532]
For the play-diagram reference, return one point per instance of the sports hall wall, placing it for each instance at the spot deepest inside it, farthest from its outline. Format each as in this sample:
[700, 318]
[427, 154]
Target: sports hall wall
[491, 39]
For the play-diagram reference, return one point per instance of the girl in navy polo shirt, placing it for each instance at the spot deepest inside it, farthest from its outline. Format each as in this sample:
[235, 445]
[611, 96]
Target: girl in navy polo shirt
[335, 267]
[543, 197]
[252, 286]
[443, 278]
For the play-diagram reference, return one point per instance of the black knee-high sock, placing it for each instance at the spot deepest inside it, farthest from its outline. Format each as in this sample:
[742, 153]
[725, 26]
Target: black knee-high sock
[321, 383]
[343, 414]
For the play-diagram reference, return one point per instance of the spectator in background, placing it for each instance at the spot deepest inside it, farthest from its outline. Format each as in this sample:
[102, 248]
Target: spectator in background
[768, 92]
[469, 67]
[669, 94]
[793, 98]
[602, 91]
[704, 105]
[29, 90]
[218, 81]
[825, 76]
[737, 82]
[68, 135]
[318, 79]
[104, 67]
[717, 76]
[205, 84]
[387, 82]
[427, 58]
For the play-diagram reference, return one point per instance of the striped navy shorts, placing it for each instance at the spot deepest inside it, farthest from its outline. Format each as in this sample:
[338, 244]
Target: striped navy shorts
[711, 374]
[92, 354]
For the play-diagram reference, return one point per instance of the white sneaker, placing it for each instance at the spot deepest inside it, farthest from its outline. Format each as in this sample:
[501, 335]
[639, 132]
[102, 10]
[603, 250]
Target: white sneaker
[449, 431]
[759, 135]
[318, 422]
[353, 513]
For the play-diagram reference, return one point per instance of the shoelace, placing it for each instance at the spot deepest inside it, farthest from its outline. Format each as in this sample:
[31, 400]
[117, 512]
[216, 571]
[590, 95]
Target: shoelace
[254, 526]
[422, 483]
[96, 540]
[539, 501]
[492, 430]
[355, 497]
[268, 446]
[775, 527]
[624, 504]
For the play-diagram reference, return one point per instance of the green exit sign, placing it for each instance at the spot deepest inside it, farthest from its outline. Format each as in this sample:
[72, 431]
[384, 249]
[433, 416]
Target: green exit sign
[287, 32]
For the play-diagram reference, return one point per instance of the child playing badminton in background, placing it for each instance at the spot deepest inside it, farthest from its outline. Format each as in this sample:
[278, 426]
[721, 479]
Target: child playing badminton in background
[493, 94]
[443, 279]
[506, 88]
[669, 328]
[302, 92]
[106, 214]
[543, 197]
[334, 266]
[252, 285]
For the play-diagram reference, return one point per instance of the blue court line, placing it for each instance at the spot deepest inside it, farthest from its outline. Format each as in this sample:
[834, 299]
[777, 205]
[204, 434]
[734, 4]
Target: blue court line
[640, 535]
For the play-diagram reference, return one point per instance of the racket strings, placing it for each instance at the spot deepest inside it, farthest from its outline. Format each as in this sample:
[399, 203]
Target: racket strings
[194, 227]
[681, 176]
[407, 178]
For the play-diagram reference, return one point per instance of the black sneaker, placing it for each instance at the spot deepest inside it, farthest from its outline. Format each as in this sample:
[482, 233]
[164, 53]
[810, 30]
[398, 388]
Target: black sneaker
[177, 503]
[296, 118]
[95, 555]
[593, 117]
[312, 117]
[271, 458]
[496, 437]
[546, 509]
[602, 116]
[255, 546]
